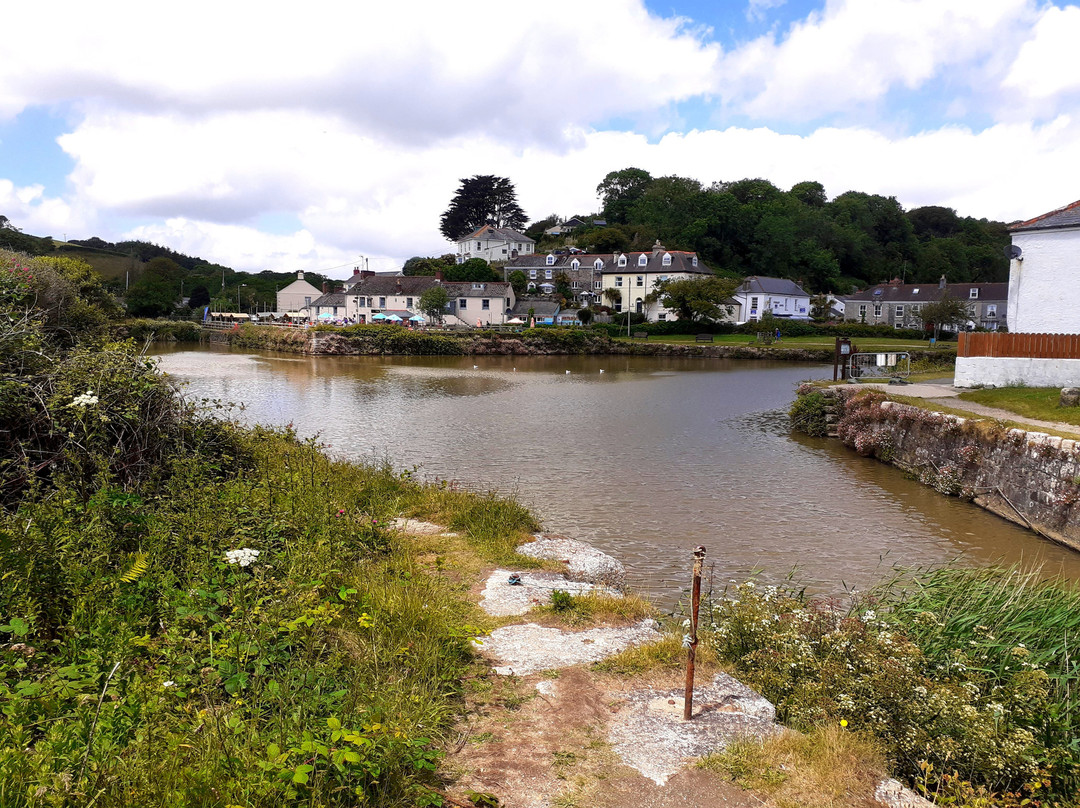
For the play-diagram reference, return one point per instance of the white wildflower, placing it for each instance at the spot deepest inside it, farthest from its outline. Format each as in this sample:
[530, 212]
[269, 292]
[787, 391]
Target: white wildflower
[244, 556]
[87, 399]
[687, 641]
[168, 683]
[868, 615]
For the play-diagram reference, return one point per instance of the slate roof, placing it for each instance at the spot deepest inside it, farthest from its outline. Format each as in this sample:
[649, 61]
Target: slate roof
[681, 261]
[330, 299]
[413, 285]
[1068, 216]
[542, 307]
[928, 292]
[755, 284]
[496, 233]
[469, 289]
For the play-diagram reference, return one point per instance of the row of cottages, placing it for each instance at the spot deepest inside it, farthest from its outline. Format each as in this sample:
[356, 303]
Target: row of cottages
[494, 244]
[633, 277]
[900, 304]
[473, 304]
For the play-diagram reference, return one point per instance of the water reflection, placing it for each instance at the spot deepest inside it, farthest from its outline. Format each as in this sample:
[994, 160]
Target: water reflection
[644, 460]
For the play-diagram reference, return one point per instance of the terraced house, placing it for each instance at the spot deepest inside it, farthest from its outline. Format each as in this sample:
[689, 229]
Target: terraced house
[474, 304]
[900, 304]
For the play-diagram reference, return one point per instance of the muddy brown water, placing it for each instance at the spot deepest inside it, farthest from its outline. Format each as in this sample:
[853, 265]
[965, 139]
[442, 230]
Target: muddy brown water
[644, 460]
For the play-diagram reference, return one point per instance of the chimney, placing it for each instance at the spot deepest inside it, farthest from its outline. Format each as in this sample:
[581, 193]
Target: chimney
[657, 248]
[438, 275]
[300, 275]
[513, 254]
[941, 283]
[325, 287]
[367, 273]
[397, 288]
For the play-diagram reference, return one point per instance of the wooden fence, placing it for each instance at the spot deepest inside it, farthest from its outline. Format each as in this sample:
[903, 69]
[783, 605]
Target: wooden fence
[1031, 346]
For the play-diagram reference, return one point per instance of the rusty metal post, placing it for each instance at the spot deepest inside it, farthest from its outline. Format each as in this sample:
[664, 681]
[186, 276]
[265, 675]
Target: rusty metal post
[691, 637]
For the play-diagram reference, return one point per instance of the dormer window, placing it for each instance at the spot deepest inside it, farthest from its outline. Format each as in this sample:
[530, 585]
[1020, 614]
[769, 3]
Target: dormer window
[622, 260]
[667, 259]
[693, 261]
[642, 260]
[575, 264]
[973, 294]
[551, 260]
[598, 264]
[915, 291]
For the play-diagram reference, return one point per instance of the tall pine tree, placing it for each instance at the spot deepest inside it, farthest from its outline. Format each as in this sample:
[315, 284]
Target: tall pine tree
[483, 199]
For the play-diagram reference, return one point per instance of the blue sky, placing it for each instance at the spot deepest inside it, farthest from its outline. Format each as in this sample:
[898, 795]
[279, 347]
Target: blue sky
[305, 140]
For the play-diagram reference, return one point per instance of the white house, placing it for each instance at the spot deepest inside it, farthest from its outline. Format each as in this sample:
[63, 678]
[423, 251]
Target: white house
[1044, 296]
[634, 276]
[494, 244]
[297, 296]
[779, 297]
[471, 303]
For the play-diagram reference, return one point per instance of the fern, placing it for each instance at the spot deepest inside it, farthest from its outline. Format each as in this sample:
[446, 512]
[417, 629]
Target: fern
[139, 565]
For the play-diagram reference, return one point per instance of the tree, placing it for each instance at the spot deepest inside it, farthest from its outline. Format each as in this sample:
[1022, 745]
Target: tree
[619, 190]
[613, 296]
[482, 199]
[433, 303]
[606, 240]
[200, 296]
[474, 270]
[820, 308]
[585, 315]
[948, 311]
[518, 282]
[698, 299]
[426, 266]
[156, 292]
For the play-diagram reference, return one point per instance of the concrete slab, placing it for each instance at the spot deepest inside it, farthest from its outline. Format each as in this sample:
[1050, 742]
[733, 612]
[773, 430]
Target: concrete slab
[523, 649]
[583, 562]
[500, 598]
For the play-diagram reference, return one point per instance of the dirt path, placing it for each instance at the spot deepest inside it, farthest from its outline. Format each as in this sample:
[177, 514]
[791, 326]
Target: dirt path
[1004, 415]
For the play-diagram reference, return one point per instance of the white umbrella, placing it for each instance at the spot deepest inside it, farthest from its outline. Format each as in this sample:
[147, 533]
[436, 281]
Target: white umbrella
[393, 317]
[515, 321]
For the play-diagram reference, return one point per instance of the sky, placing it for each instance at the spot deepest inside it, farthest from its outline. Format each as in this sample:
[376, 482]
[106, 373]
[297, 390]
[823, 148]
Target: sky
[312, 136]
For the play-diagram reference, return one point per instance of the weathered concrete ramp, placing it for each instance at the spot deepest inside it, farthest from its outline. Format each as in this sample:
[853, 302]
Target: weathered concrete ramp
[529, 648]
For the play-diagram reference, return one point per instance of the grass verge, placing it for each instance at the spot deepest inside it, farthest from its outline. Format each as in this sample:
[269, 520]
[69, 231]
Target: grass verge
[1031, 402]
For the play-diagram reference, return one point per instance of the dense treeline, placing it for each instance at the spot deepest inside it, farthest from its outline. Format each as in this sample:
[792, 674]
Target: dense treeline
[752, 227]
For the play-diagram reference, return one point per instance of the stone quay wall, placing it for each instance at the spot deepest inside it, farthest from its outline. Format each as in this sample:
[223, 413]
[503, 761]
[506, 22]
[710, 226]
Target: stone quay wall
[1030, 478]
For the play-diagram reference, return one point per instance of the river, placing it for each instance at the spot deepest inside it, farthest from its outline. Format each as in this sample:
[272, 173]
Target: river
[643, 457]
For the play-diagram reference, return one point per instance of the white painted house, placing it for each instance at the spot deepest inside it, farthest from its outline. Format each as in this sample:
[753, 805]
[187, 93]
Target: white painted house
[297, 296]
[494, 244]
[471, 303]
[634, 277]
[779, 297]
[1044, 295]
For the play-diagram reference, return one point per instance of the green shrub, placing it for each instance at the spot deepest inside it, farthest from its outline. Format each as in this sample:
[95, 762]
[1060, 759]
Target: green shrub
[808, 414]
[959, 674]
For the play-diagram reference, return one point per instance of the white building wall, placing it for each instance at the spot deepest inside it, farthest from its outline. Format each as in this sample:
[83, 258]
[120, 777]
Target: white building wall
[1044, 287]
[996, 371]
[631, 291]
[492, 249]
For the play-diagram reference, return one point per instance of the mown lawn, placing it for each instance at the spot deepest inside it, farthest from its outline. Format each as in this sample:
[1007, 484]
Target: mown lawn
[1031, 402]
[863, 343]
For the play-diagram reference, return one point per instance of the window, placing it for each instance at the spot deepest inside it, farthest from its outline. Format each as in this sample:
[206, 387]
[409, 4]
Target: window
[618, 305]
[532, 287]
[382, 302]
[899, 311]
[575, 264]
[504, 250]
[973, 294]
[660, 279]
[618, 281]
[547, 274]
[693, 261]
[877, 309]
[991, 311]
[532, 274]
[575, 285]
[485, 305]
[622, 260]
[661, 316]
[598, 264]
[551, 260]
[916, 308]
[307, 302]
[335, 311]
[642, 260]
[862, 311]
[640, 280]
[478, 245]
[463, 303]
[667, 260]
[598, 284]
[408, 302]
[753, 305]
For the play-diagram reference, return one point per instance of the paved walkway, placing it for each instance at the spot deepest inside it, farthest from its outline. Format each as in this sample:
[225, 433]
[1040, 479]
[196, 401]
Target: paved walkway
[944, 394]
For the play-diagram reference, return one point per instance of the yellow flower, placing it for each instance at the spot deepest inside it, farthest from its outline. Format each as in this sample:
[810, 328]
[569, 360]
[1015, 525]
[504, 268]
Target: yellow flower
[843, 722]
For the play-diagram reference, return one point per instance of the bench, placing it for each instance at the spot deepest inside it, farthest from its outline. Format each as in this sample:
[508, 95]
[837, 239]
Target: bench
[641, 335]
[704, 338]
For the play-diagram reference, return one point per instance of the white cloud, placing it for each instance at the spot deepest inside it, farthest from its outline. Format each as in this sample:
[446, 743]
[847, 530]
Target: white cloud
[758, 9]
[413, 70]
[1045, 66]
[33, 212]
[856, 51]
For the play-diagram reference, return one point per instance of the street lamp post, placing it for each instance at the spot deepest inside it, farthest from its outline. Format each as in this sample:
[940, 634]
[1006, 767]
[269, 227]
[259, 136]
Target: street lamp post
[238, 297]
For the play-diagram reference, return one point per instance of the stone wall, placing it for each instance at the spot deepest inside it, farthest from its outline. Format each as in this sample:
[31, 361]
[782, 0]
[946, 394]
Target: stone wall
[1030, 478]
